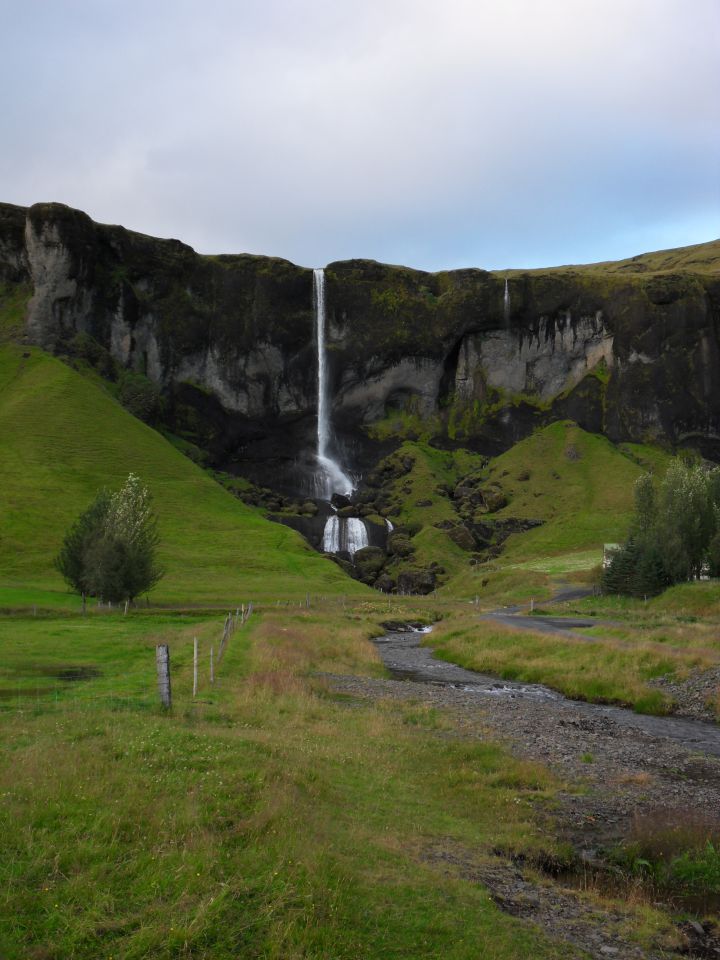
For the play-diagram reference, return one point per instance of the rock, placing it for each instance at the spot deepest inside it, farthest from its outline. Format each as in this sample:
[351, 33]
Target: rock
[384, 583]
[349, 511]
[416, 581]
[399, 545]
[445, 524]
[423, 503]
[494, 498]
[368, 563]
[339, 500]
[461, 536]
[229, 342]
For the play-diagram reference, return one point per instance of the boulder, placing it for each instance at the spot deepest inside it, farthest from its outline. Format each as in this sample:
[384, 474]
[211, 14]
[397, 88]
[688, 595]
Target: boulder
[399, 545]
[384, 583]
[416, 581]
[368, 563]
[461, 536]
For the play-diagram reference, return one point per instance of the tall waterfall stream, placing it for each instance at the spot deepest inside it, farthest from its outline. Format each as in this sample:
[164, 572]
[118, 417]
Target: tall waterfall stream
[342, 534]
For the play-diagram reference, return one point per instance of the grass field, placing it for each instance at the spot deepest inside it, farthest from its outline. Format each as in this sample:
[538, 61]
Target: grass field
[266, 819]
[63, 438]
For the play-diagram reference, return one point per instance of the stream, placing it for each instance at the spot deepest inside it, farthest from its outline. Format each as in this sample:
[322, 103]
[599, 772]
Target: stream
[406, 658]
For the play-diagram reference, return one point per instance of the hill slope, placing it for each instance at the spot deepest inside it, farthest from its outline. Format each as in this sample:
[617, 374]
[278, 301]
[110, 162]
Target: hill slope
[578, 484]
[701, 258]
[62, 438]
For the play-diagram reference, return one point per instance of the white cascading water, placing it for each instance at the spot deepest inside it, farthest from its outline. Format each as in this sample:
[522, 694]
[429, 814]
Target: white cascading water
[340, 533]
[331, 535]
[506, 304]
[356, 535]
[344, 534]
[389, 525]
[331, 477]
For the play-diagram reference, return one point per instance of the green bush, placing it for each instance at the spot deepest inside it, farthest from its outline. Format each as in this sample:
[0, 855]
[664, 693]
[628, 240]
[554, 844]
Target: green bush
[140, 396]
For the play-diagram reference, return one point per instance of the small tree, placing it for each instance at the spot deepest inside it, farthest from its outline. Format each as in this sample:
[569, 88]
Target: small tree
[79, 540]
[109, 552]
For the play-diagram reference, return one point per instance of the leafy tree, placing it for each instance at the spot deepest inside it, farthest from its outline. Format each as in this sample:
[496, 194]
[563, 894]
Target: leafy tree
[109, 552]
[674, 534]
[79, 540]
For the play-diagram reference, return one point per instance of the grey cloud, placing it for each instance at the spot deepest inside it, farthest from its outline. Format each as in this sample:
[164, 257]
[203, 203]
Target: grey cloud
[440, 134]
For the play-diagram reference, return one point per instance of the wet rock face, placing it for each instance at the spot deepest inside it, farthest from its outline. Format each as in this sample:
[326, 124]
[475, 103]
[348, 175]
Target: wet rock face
[230, 342]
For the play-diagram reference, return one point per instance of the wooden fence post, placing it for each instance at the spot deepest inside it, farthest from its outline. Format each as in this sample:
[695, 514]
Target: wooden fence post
[195, 666]
[212, 666]
[162, 659]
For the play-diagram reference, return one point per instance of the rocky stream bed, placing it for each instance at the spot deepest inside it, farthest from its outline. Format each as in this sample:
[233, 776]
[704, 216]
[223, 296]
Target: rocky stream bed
[626, 766]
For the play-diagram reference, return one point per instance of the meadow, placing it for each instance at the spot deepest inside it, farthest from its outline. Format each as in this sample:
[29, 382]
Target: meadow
[265, 818]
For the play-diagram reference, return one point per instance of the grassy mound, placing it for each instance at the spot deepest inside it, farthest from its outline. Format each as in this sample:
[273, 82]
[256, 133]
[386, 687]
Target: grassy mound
[578, 484]
[63, 437]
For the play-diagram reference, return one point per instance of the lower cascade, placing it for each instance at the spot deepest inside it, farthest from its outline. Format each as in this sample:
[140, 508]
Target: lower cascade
[344, 534]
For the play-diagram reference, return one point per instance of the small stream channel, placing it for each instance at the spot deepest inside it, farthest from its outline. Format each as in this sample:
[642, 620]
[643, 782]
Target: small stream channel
[406, 658]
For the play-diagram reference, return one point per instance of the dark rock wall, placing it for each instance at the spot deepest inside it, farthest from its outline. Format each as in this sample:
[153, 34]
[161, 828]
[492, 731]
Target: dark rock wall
[230, 341]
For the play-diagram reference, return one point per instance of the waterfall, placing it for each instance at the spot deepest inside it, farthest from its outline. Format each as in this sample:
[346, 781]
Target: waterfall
[331, 535]
[506, 304]
[389, 525]
[344, 534]
[356, 533]
[331, 478]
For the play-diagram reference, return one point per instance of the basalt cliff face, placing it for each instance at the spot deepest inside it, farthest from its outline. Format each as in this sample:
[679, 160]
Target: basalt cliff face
[230, 341]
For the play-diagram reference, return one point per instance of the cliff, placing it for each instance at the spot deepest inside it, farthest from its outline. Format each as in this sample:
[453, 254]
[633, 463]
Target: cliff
[629, 349]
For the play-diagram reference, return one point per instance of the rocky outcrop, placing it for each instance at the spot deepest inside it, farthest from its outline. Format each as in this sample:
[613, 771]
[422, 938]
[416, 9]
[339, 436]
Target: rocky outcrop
[229, 340]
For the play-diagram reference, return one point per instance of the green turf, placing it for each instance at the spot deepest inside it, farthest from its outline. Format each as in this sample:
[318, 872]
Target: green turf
[63, 437]
[265, 820]
[580, 485]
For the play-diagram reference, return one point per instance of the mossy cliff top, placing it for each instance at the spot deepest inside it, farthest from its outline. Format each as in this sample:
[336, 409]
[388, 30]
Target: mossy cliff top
[230, 339]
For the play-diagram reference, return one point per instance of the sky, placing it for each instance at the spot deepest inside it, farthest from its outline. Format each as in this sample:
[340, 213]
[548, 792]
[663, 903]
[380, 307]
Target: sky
[511, 133]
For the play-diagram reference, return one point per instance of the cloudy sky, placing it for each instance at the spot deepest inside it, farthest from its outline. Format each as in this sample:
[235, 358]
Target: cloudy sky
[437, 134]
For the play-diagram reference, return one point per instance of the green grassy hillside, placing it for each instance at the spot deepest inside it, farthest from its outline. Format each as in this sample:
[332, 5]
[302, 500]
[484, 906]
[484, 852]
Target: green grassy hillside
[699, 258]
[63, 437]
[578, 484]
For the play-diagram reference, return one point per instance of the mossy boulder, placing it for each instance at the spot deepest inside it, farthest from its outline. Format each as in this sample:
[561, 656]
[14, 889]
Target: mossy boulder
[461, 536]
[385, 583]
[416, 582]
[368, 563]
[400, 545]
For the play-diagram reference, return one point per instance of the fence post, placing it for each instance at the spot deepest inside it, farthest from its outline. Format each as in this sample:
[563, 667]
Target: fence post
[212, 666]
[195, 666]
[162, 660]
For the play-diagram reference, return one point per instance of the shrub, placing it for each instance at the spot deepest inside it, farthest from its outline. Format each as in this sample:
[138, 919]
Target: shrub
[140, 396]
